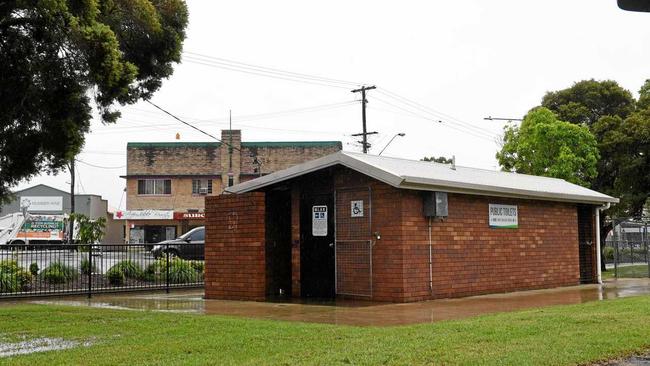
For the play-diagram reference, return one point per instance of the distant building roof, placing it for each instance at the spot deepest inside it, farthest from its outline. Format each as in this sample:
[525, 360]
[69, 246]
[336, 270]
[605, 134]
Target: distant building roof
[430, 176]
[270, 144]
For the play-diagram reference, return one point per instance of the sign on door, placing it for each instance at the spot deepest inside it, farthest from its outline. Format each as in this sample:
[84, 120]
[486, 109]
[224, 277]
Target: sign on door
[319, 221]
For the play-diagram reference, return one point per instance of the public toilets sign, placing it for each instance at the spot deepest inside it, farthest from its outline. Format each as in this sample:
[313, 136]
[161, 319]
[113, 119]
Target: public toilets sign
[503, 216]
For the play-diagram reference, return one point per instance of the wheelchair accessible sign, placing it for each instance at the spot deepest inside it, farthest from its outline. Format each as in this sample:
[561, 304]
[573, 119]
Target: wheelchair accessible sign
[319, 221]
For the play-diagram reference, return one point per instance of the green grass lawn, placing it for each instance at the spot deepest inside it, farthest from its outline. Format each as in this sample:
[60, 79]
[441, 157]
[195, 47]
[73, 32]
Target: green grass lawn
[637, 271]
[560, 335]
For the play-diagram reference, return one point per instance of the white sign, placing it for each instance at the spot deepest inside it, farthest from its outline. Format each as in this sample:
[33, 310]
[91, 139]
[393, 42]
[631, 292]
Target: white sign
[144, 215]
[319, 221]
[503, 216]
[356, 208]
[37, 204]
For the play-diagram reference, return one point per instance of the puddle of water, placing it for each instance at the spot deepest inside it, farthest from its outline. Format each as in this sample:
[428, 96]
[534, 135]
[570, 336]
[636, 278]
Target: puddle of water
[38, 345]
[362, 313]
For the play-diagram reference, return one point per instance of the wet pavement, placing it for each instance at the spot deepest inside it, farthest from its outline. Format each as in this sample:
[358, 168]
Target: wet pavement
[359, 313]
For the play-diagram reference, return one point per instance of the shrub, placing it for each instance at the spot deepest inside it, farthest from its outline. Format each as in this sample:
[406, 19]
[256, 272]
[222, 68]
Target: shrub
[199, 266]
[85, 267]
[9, 266]
[154, 270]
[33, 269]
[129, 269]
[115, 276]
[180, 271]
[58, 272]
[13, 278]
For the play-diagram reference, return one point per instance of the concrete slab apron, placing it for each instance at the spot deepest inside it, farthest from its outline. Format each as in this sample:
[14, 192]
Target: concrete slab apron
[364, 313]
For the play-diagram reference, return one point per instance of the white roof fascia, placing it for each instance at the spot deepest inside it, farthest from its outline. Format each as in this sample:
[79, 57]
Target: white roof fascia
[412, 182]
[507, 193]
[339, 158]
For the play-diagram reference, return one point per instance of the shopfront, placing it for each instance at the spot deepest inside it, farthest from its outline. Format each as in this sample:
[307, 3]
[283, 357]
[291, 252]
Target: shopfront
[153, 226]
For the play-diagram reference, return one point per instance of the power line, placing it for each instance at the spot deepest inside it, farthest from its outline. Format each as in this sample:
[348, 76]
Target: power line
[252, 117]
[449, 124]
[99, 166]
[192, 126]
[429, 110]
[258, 73]
[270, 70]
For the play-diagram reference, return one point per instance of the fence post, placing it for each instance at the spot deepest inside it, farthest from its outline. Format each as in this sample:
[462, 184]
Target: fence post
[167, 268]
[616, 258]
[90, 271]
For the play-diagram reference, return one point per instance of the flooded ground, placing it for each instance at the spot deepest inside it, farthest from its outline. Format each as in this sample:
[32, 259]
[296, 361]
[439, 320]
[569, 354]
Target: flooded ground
[358, 312]
[9, 349]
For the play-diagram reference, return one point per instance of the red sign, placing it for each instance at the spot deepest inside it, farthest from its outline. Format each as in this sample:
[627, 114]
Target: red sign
[189, 215]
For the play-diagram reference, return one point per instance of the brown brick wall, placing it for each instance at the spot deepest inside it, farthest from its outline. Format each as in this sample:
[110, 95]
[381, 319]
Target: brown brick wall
[181, 198]
[278, 158]
[235, 247]
[168, 159]
[208, 160]
[469, 258]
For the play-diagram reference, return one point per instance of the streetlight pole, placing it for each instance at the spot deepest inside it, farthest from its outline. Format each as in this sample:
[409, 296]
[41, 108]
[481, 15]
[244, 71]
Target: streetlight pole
[401, 134]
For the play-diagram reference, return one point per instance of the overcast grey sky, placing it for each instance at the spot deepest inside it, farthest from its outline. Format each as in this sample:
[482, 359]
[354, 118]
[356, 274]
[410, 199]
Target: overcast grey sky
[464, 60]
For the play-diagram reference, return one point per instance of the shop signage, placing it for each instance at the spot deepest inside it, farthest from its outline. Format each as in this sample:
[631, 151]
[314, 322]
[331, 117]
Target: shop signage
[503, 216]
[356, 208]
[144, 215]
[319, 221]
[44, 203]
[189, 215]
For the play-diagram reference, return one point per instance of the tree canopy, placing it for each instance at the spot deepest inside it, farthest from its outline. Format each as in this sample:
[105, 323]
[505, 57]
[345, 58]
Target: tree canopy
[589, 100]
[61, 58]
[621, 126]
[546, 146]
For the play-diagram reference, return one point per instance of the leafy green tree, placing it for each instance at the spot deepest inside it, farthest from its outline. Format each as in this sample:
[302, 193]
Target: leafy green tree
[620, 126]
[621, 129]
[441, 159]
[88, 231]
[61, 57]
[589, 100]
[546, 146]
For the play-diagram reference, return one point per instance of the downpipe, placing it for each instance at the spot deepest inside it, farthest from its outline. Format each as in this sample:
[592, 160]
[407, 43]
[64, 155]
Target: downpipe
[598, 258]
[430, 260]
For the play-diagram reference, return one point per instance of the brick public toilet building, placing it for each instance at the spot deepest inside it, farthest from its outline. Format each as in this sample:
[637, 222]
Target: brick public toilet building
[387, 229]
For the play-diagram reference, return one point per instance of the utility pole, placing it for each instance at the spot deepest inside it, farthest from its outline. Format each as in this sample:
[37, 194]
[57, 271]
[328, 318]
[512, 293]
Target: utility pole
[364, 101]
[72, 182]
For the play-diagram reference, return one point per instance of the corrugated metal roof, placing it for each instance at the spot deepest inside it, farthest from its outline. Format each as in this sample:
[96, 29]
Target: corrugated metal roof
[422, 175]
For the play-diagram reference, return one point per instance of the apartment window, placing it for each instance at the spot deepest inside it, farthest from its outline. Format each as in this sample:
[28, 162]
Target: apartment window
[201, 186]
[154, 186]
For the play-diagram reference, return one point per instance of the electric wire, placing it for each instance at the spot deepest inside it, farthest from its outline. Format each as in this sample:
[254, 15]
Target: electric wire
[269, 75]
[192, 126]
[429, 110]
[311, 77]
[449, 124]
[100, 166]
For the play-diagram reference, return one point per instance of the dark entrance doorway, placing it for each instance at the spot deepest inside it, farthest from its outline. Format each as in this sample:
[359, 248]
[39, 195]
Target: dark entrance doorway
[586, 243]
[317, 246]
[278, 244]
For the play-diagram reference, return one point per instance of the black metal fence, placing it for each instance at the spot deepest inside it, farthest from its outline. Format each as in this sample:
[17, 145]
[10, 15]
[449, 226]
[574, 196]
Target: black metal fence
[55, 269]
[627, 249]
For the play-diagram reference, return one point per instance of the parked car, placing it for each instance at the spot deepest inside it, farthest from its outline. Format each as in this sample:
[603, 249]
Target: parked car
[187, 246]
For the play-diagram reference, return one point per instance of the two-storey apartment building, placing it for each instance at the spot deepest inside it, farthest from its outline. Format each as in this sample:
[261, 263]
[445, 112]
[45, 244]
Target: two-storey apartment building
[166, 182]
